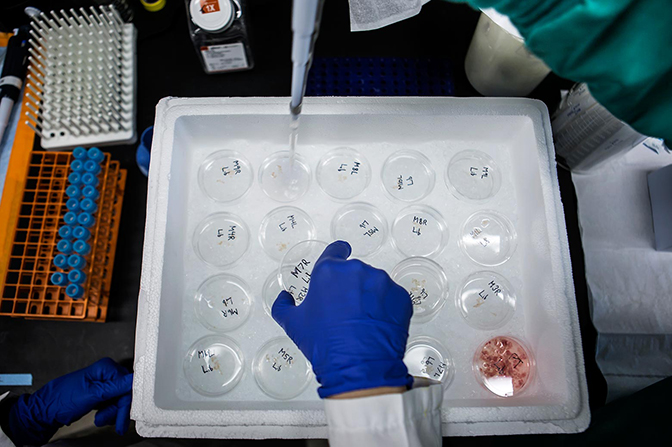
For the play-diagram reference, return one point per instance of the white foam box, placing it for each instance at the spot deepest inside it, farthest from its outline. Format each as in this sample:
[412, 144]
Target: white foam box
[516, 133]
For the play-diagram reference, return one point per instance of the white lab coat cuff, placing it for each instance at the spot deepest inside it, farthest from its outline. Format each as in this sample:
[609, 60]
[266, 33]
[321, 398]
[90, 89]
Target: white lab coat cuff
[408, 419]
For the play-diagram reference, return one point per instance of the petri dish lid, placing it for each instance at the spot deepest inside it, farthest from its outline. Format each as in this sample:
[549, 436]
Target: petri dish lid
[419, 230]
[408, 176]
[270, 292]
[280, 369]
[343, 173]
[488, 238]
[282, 179]
[221, 239]
[426, 282]
[473, 176]
[486, 300]
[223, 303]
[427, 357]
[504, 366]
[283, 228]
[362, 225]
[297, 266]
[211, 15]
[213, 365]
[225, 176]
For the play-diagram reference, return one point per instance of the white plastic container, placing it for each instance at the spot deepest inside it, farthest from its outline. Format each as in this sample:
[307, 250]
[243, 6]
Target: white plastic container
[515, 133]
[498, 63]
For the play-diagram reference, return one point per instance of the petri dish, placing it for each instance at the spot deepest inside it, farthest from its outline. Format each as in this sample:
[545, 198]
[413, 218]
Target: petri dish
[225, 176]
[280, 369]
[427, 357]
[419, 230]
[283, 228]
[297, 266]
[486, 300]
[343, 173]
[504, 366]
[270, 292]
[223, 303]
[408, 176]
[362, 225]
[214, 365]
[488, 238]
[426, 282]
[283, 179]
[473, 176]
[221, 239]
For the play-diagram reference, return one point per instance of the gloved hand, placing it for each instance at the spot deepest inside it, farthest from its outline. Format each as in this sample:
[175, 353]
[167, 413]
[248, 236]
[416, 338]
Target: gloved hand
[105, 385]
[352, 325]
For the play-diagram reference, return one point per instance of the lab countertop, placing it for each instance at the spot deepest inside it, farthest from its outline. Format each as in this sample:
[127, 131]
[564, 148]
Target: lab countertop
[168, 66]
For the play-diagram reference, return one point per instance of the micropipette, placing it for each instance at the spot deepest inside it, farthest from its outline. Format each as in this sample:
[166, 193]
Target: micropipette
[306, 16]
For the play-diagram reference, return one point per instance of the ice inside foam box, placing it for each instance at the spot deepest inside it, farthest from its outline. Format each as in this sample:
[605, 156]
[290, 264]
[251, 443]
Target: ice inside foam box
[457, 199]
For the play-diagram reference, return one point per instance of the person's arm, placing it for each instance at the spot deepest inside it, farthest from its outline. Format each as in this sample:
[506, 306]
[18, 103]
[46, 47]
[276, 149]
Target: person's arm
[620, 48]
[353, 327]
[32, 419]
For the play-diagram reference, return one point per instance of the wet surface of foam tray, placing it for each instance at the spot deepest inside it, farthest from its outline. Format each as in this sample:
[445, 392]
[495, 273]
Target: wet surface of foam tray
[457, 199]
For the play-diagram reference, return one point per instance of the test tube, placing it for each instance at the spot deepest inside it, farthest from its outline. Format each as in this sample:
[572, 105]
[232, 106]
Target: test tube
[95, 154]
[90, 179]
[81, 233]
[74, 291]
[90, 192]
[73, 192]
[79, 153]
[60, 260]
[70, 218]
[82, 248]
[91, 166]
[88, 205]
[86, 220]
[58, 279]
[66, 232]
[77, 166]
[76, 261]
[64, 246]
[76, 276]
[72, 205]
[75, 178]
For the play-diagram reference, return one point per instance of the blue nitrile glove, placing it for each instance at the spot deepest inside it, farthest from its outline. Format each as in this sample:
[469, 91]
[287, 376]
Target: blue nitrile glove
[352, 325]
[105, 385]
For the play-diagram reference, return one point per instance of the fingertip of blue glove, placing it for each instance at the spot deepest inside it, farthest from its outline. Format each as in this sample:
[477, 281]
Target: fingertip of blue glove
[282, 303]
[336, 250]
[123, 415]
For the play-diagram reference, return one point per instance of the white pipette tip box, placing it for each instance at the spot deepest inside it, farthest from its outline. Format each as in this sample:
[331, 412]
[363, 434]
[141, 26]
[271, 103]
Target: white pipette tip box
[502, 250]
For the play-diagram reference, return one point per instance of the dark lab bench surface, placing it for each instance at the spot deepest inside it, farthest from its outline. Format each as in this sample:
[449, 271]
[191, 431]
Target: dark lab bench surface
[168, 66]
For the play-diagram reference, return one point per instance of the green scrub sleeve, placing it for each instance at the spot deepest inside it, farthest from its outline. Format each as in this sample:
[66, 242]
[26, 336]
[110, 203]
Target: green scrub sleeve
[621, 48]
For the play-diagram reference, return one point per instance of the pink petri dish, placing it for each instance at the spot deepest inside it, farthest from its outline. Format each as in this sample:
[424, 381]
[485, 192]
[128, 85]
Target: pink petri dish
[504, 366]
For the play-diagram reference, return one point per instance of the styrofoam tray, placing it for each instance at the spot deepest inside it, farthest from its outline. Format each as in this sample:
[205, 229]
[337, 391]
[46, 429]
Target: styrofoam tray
[514, 132]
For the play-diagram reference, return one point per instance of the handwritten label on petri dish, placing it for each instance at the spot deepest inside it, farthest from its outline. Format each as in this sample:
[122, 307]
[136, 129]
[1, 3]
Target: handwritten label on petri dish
[235, 169]
[211, 363]
[280, 359]
[431, 368]
[370, 230]
[418, 223]
[291, 225]
[476, 234]
[418, 292]
[301, 272]
[483, 172]
[230, 310]
[483, 294]
[403, 182]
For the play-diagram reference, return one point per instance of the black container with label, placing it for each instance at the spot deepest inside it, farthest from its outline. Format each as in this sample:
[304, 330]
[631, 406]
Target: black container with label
[219, 34]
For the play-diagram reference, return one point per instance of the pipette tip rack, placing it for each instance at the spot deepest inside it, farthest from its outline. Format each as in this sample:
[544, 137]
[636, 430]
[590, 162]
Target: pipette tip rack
[81, 78]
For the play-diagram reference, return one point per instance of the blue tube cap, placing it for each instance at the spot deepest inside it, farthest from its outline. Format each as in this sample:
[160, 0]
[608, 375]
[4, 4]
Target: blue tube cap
[58, 279]
[79, 153]
[76, 276]
[95, 154]
[73, 192]
[92, 166]
[82, 248]
[74, 291]
[66, 232]
[86, 220]
[77, 165]
[72, 204]
[88, 205]
[76, 262]
[75, 178]
[90, 192]
[64, 246]
[82, 233]
[70, 218]
[60, 260]
[90, 179]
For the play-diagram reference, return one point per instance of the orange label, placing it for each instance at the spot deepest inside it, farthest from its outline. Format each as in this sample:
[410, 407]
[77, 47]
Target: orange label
[208, 6]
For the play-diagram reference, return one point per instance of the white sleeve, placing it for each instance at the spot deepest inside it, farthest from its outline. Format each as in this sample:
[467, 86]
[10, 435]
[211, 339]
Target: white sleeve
[408, 419]
[4, 440]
